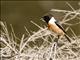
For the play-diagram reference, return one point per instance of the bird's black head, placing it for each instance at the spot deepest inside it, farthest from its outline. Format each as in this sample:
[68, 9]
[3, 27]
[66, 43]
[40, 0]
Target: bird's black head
[46, 18]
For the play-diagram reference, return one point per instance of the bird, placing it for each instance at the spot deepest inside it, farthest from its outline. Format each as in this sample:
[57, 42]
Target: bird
[54, 25]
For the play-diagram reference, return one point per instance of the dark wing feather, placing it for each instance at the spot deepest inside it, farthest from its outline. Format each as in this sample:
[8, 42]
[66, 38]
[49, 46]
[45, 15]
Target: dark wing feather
[63, 31]
[60, 27]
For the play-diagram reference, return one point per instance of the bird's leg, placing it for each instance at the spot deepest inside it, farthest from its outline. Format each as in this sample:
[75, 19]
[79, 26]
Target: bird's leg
[56, 40]
[58, 36]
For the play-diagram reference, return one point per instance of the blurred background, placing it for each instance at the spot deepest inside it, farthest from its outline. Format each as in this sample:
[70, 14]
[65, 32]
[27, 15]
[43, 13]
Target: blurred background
[20, 13]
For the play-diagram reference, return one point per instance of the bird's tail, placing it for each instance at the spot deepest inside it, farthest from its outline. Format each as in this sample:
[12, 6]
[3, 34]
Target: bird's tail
[67, 38]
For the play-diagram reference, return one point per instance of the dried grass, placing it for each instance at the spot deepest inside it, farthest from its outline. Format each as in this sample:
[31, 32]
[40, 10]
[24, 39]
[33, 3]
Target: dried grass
[47, 50]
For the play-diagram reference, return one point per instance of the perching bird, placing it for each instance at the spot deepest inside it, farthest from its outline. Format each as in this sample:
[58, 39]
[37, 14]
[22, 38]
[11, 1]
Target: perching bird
[54, 25]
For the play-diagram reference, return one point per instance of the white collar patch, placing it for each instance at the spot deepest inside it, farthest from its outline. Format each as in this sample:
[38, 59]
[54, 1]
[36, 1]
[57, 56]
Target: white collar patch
[52, 20]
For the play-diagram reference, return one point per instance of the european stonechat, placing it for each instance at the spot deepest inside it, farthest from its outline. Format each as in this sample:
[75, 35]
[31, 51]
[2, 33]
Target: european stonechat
[54, 25]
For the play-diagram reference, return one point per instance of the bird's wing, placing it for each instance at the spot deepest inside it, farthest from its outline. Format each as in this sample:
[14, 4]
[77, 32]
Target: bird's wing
[57, 23]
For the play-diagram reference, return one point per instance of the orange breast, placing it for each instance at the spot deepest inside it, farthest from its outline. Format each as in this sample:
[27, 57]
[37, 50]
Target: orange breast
[55, 29]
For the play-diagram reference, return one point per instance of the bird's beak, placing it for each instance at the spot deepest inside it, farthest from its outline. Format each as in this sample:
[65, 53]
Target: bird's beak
[42, 19]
